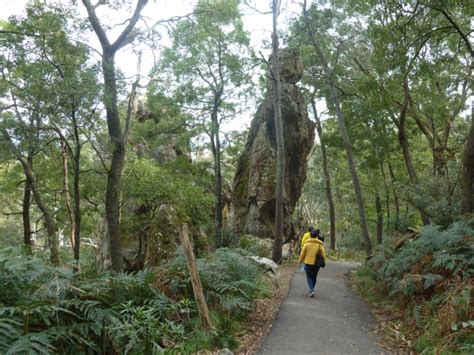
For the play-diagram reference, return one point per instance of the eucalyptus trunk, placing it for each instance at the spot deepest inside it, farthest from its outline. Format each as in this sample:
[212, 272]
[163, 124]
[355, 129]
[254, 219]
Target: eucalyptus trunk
[67, 195]
[116, 135]
[352, 167]
[114, 174]
[334, 98]
[378, 208]
[49, 222]
[77, 196]
[216, 152]
[395, 197]
[25, 212]
[402, 139]
[327, 178]
[467, 179]
[387, 192]
[280, 168]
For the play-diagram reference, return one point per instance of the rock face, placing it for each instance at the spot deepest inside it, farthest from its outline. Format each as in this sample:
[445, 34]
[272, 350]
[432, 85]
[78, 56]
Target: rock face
[253, 198]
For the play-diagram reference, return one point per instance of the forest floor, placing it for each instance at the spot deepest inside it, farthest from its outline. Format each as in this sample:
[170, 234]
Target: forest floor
[335, 321]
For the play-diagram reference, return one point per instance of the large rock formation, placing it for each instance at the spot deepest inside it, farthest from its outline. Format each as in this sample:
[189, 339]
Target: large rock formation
[253, 199]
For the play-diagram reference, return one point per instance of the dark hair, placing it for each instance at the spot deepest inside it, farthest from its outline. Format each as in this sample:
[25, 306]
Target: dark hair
[315, 233]
[310, 229]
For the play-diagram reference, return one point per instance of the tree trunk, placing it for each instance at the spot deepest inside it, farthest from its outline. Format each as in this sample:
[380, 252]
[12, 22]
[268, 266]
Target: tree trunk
[402, 139]
[114, 174]
[387, 193]
[395, 196]
[280, 168]
[26, 204]
[352, 167]
[216, 152]
[195, 280]
[77, 198]
[467, 179]
[345, 137]
[327, 177]
[116, 136]
[67, 195]
[378, 208]
[48, 217]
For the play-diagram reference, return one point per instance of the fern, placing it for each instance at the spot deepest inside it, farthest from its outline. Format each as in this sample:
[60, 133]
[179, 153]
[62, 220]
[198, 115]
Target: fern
[445, 252]
[10, 329]
[32, 343]
[431, 279]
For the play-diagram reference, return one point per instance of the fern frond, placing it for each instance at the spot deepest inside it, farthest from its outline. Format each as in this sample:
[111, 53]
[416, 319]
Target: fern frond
[32, 343]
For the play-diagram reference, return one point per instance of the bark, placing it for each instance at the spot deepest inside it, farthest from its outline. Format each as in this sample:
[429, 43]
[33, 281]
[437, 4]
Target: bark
[26, 204]
[402, 138]
[47, 215]
[387, 193]
[467, 179]
[327, 178]
[77, 196]
[280, 169]
[345, 137]
[378, 208]
[114, 173]
[195, 280]
[396, 198]
[116, 135]
[216, 152]
[67, 195]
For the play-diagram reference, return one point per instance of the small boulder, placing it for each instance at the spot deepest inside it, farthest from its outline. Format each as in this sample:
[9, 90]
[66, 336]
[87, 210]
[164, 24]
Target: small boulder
[267, 264]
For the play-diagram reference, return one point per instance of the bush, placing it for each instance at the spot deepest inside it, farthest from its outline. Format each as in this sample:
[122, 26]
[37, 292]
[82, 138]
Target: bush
[44, 309]
[229, 277]
[427, 285]
[435, 255]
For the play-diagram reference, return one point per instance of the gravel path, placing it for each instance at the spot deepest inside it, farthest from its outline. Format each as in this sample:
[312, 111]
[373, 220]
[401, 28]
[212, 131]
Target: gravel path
[335, 321]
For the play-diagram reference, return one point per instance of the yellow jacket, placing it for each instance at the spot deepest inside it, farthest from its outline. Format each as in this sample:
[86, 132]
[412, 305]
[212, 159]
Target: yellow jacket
[311, 248]
[306, 236]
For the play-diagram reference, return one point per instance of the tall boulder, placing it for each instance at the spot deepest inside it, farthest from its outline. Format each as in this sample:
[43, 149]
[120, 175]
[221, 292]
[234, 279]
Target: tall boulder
[253, 197]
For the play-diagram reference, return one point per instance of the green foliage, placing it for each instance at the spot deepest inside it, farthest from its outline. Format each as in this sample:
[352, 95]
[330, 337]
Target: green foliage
[428, 280]
[255, 246]
[232, 281]
[434, 255]
[147, 183]
[45, 309]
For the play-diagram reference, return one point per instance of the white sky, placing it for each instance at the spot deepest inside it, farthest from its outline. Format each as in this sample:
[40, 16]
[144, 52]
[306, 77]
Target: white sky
[258, 25]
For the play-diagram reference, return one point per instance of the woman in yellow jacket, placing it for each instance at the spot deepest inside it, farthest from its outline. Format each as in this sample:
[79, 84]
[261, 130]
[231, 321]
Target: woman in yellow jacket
[306, 236]
[312, 248]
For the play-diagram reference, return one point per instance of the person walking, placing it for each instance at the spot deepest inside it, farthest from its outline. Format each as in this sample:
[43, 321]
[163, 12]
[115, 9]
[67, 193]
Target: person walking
[313, 255]
[306, 236]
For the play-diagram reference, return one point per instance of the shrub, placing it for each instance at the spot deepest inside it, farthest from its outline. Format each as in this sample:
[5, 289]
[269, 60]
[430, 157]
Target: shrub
[427, 285]
[435, 255]
[229, 277]
[46, 309]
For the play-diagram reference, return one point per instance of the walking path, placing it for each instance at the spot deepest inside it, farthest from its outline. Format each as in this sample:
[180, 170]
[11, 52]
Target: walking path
[335, 321]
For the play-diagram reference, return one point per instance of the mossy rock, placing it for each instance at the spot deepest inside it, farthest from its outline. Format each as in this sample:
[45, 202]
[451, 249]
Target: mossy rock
[255, 245]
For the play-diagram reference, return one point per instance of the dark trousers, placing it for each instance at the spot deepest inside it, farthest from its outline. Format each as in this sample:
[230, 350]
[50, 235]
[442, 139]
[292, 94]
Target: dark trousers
[311, 275]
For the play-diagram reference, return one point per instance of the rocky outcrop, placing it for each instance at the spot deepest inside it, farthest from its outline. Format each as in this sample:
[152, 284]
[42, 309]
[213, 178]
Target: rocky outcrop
[253, 198]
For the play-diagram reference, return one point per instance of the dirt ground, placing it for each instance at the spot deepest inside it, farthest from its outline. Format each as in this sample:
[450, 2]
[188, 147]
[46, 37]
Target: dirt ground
[264, 313]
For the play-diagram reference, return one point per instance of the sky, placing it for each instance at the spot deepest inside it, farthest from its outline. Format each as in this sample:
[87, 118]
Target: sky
[257, 24]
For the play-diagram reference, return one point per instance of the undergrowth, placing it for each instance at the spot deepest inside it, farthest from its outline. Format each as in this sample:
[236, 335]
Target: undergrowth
[47, 310]
[425, 286]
